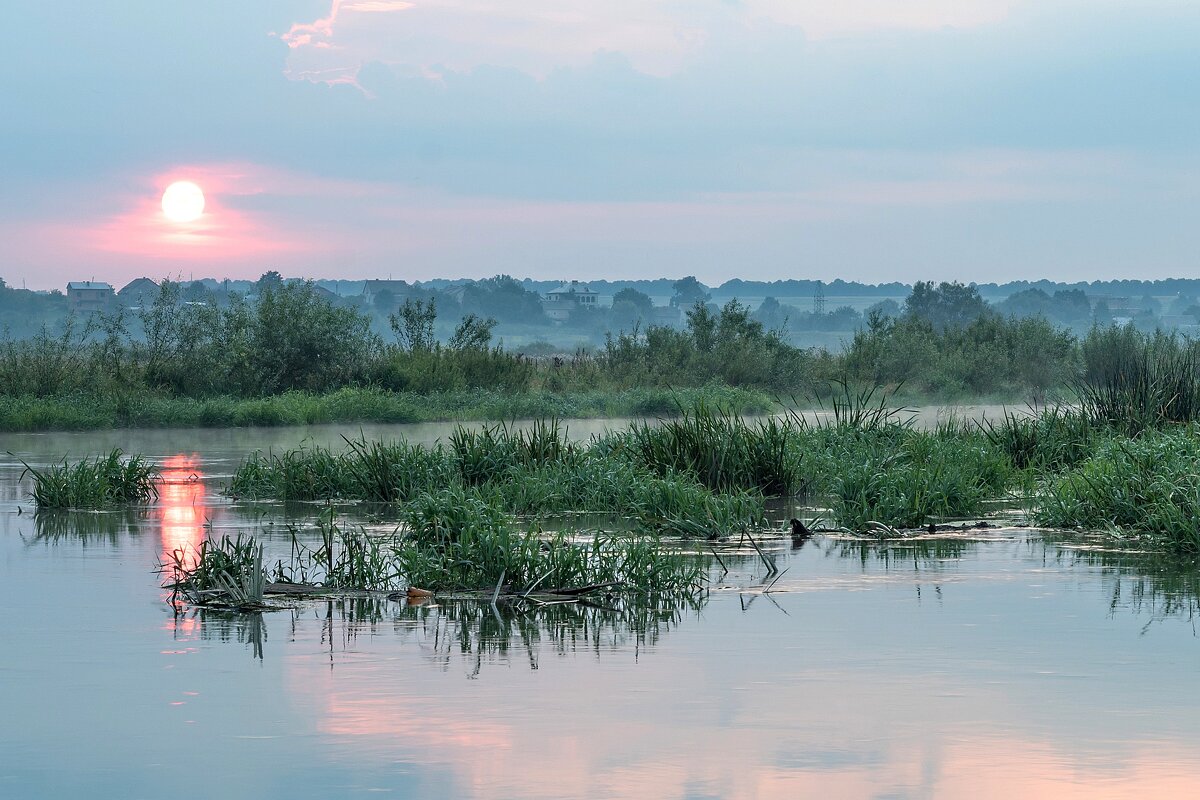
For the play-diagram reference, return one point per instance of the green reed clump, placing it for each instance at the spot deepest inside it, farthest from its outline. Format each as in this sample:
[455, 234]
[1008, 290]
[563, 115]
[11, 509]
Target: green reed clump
[228, 572]
[596, 483]
[393, 472]
[347, 558]
[458, 540]
[865, 409]
[906, 478]
[1149, 486]
[376, 471]
[487, 453]
[720, 450]
[1053, 439]
[1135, 381]
[100, 482]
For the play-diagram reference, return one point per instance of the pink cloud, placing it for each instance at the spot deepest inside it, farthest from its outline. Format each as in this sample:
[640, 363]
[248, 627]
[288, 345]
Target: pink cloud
[537, 36]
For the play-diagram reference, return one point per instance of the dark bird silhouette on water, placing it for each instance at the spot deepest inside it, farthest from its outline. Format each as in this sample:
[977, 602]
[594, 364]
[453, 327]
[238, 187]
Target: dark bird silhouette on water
[800, 533]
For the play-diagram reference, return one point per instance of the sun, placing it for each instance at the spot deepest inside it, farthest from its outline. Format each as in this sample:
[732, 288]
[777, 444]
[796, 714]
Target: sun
[183, 201]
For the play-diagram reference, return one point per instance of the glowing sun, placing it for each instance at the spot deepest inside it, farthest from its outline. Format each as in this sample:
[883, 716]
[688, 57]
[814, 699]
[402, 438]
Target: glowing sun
[183, 201]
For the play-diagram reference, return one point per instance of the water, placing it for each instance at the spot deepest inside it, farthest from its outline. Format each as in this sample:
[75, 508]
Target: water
[1001, 666]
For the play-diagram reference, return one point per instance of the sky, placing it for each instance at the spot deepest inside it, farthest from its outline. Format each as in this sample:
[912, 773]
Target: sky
[871, 140]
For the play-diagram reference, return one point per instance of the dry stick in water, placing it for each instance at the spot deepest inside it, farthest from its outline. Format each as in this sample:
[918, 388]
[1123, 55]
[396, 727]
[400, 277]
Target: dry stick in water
[499, 583]
[719, 561]
[770, 562]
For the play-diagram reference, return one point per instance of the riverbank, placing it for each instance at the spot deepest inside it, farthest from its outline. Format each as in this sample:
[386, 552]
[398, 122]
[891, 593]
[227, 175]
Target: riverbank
[78, 412]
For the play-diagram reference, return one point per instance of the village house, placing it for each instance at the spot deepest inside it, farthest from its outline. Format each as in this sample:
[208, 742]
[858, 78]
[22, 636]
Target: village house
[138, 292]
[562, 301]
[386, 293]
[86, 297]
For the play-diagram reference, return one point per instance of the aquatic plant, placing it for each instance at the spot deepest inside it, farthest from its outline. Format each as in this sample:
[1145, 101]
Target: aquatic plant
[1135, 381]
[907, 481]
[100, 482]
[1148, 487]
[377, 471]
[346, 558]
[720, 450]
[228, 572]
[486, 453]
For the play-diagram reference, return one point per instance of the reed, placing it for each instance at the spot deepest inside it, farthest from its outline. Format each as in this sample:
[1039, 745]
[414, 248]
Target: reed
[1135, 381]
[1148, 487]
[100, 482]
[227, 572]
[910, 479]
[720, 451]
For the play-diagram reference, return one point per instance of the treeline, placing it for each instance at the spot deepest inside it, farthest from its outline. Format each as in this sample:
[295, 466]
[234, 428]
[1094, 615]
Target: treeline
[945, 343]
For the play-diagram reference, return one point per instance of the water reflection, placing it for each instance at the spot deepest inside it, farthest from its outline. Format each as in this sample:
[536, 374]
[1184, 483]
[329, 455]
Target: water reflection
[219, 626]
[89, 527]
[1154, 585]
[474, 634]
[182, 509]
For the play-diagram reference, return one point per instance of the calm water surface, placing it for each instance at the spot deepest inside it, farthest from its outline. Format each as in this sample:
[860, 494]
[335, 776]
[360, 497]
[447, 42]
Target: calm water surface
[1004, 666]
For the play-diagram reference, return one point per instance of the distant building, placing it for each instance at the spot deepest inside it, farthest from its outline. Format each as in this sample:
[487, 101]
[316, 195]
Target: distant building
[86, 297]
[393, 292]
[561, 302]
[138, 292]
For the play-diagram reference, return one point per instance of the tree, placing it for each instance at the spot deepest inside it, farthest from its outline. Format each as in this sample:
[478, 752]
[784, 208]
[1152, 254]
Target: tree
[640, 301]
[472, 333]
[688, 292]
[771, 314]
[300, 340]
[948, 305]
[413, 324]
[269, 281]
[503, 298]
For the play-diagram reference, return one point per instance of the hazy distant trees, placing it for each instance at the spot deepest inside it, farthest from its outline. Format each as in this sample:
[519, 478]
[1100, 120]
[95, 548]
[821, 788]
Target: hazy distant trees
[1067, 306]
[688, 292]
[503, 298]
[947, 305]
[638, 300]
[629, 308]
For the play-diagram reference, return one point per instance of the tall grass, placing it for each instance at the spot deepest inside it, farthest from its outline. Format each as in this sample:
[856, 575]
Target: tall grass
[1135, 381]
[451, 541]
[378, 471]
[100, 482]
[1053, 439]
[720, 451]
[1148, 486]
[228, 572]
[478, 554]
[487, 453]
[528, 471]
[83, 409]
[893, 474]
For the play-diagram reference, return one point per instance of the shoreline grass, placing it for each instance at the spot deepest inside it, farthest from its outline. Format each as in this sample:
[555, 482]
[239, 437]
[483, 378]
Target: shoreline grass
[356, 405]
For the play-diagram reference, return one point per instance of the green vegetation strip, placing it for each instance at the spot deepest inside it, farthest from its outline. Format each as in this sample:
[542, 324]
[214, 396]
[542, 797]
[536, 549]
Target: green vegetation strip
[87, 411]
[451, 542]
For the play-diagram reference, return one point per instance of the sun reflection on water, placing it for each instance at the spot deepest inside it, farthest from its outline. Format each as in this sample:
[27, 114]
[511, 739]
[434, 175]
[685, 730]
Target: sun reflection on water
[182, 508]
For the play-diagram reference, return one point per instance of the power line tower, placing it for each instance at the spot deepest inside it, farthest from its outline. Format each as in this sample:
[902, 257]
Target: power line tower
[819, 299]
